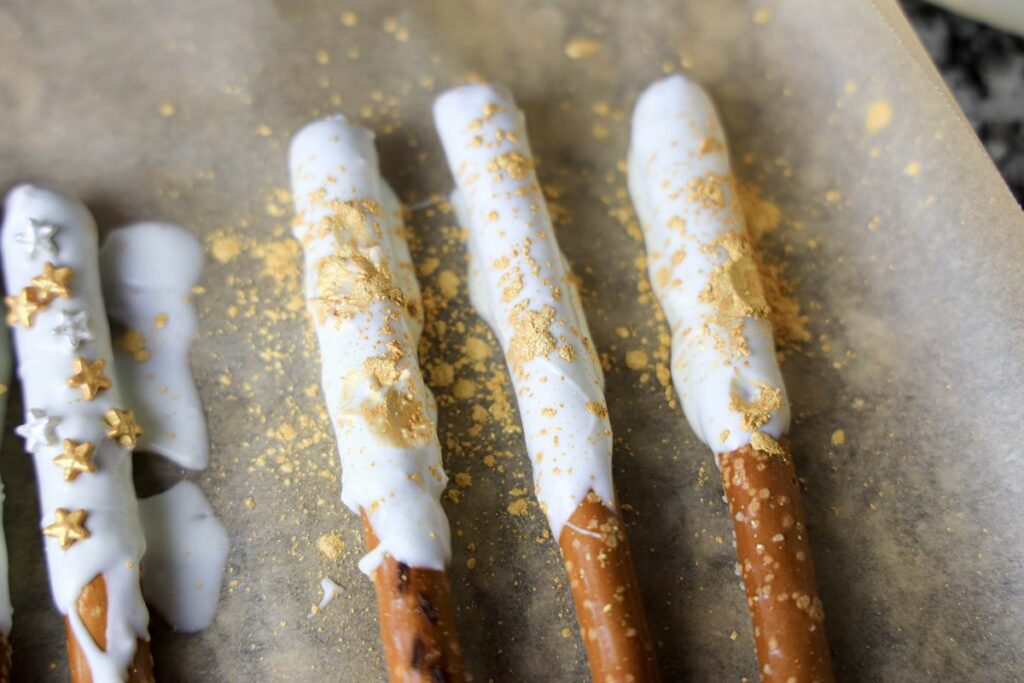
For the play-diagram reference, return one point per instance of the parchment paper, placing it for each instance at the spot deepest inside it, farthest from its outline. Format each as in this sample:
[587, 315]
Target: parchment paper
[905, 244]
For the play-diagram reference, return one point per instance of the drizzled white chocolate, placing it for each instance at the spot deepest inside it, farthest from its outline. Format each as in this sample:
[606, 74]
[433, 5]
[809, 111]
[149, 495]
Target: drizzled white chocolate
[110, 541]
[699, 258]
[149, 270]
[365, 304]
[521, 286]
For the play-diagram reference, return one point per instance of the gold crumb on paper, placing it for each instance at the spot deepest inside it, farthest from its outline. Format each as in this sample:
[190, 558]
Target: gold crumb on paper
[765, 443]
[581, 48]
[878, 116]
[838, 437]
[756, 413]
[330, 545]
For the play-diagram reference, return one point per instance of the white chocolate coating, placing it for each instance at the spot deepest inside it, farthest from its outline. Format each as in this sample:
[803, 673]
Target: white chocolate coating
[521, 286]
[116, 543]
[6, 611]
[723, 352]
[187, 548]
[364, 302]
[149, 270]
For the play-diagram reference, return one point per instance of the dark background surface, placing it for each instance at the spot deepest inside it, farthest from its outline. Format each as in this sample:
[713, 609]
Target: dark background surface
[984, 67]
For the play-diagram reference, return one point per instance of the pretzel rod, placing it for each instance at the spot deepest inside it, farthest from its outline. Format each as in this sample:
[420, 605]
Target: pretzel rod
[724, 365]
[417, 621]
[522, 288]
[77, 430]
[92, 607]
[364, 300]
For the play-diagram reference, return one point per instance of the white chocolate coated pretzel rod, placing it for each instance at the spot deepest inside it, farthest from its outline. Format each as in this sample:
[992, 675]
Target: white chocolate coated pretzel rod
[364, 301]
[521, 286]
[79, 432]
[724, 365]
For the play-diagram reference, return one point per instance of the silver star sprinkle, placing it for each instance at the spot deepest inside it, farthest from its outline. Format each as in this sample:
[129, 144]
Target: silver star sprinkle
[38, 431]
[38, 238]
[74, 327]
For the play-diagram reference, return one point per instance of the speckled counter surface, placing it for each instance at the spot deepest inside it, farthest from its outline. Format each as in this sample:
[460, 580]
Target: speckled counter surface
[984, 68]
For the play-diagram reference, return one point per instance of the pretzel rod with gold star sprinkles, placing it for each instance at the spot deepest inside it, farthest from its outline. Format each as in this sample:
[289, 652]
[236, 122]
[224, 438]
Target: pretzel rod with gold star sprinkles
[364, 301]
[78, 432]
[724, 365]
[521, 286]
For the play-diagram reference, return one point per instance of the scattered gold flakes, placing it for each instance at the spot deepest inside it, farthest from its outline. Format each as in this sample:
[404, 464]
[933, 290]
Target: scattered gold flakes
[399, 418]
[330, 545]
[323, 57]
[349, 281]
[874, 223]
[581, 48]
[735, 288]
[519, 507]
[761, 215]
[765, 443]
[133, 343]
[75, 458]
[167, 110]
[636, 359]
[838, 437]
[531, 337]
[68, 527]
[463, 480]
[597, 408]
[707, 190]
[89, 377]
[515, 165]
[566, 633]
[428, 266]
[724, 436]
[225, 248]
[122, 427]
[754, 414]
[878, 117]
[53, 283]
[160, 321]
[762, 15]
[349, 19]
[383, 370]
[23, 307]
[912, 169]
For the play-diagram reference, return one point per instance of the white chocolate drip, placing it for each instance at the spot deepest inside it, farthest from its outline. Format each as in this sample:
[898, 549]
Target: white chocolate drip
[521, 286]
[685, 197]
[356, 261]
[149, 270]
[6, 611]
[187, 548]
[116, 544]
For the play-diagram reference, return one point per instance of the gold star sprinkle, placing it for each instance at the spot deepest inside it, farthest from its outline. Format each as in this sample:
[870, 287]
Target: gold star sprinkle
[68, 527]
[53, 283]
[89, 377]
[23, 307]
[123, 427]
[75, 459]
